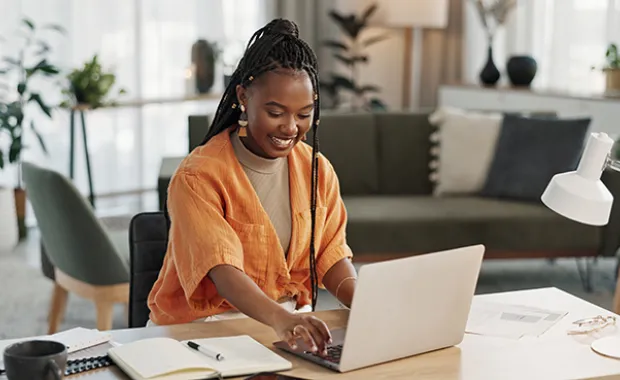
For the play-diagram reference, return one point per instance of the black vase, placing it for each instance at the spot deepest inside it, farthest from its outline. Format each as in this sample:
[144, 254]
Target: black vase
[521, 70]
[489, 74]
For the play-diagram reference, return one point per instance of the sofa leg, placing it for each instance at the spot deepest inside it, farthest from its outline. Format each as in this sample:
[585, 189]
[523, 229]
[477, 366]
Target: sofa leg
[584, 267]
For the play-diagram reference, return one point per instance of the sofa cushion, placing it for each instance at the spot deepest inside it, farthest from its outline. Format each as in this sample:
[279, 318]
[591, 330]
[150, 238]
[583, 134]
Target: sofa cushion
[420, 224]
[404, 151]
[349, 142]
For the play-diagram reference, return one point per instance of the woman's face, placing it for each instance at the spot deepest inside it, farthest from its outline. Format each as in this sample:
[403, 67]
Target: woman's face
[280, 106]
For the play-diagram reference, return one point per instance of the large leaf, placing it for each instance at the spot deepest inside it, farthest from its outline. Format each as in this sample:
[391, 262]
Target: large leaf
[336, 44]
[369, 11]
[28, 23]
[11, 61]
[55, 27]
[15, 150]
[368, 88]
[348, 23]
[346, 60]
[37, 98]
[340, 81]
[43, 66]
[374, 40]
[39, 137]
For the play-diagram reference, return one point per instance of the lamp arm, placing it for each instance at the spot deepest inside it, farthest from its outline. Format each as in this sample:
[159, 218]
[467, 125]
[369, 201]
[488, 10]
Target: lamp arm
[612, 164]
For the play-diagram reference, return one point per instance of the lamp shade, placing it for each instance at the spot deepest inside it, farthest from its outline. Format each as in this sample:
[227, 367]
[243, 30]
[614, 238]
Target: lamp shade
[581, 195]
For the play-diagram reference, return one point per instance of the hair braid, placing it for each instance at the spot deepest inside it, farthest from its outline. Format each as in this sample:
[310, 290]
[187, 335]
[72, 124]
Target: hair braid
[276, 45]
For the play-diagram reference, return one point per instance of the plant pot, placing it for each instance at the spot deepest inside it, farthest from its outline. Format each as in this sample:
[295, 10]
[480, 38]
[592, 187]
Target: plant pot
[20, 207]
[612, 81]
[521, 70]
[489, 74]
[9, 234]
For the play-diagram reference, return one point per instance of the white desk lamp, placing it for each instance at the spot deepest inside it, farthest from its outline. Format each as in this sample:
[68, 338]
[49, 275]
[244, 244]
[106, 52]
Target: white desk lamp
[581, 196]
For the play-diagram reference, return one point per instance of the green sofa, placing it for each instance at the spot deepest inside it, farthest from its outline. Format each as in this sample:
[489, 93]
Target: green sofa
[382, 161]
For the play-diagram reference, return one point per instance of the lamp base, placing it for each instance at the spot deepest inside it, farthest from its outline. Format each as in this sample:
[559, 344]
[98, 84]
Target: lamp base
[609, 346]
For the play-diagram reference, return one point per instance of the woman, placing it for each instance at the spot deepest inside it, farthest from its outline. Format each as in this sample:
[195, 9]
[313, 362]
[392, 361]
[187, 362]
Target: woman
[256, 218]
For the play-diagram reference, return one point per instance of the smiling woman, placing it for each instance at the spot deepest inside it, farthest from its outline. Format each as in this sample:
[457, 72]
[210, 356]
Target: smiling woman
[256, 220]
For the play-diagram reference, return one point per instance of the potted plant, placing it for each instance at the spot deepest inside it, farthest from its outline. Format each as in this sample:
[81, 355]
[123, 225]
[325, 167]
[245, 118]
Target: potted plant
[17, 96]
[89, 86]
[352, 54]
[612, 70]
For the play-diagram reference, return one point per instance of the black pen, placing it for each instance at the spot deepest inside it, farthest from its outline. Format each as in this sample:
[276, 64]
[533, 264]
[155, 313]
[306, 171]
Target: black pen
[215, 355]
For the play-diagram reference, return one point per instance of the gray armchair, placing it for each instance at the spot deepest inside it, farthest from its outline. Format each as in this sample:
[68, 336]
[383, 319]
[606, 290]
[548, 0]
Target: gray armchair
[85, 260]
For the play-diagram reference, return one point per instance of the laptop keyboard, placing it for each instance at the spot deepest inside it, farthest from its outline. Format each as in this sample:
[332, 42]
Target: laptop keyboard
[333, 354]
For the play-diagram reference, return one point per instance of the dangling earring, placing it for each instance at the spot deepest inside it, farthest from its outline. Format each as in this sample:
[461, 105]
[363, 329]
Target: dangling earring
[243, 122]
[304, 137]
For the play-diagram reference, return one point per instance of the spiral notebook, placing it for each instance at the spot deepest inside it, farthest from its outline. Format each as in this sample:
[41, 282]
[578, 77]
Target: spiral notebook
[170, 359]
[75, 339]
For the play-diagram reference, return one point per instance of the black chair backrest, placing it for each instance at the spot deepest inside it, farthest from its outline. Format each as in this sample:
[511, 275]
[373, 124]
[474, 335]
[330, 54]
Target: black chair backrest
[148, 238]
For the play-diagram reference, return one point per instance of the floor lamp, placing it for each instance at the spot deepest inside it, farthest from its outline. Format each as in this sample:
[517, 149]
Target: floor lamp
[413, 16]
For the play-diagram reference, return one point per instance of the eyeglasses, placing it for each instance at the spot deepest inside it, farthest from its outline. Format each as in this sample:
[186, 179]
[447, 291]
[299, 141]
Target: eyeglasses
[590, 325]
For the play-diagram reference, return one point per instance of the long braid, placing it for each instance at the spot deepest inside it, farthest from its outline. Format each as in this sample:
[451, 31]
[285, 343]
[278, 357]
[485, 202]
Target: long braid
[276, 45]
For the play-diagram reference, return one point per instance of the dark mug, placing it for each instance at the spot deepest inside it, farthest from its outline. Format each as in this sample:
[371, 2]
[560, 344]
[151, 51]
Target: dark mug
[35, 359]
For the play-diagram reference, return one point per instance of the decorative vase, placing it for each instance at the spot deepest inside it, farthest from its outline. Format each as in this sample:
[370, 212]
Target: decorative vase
[489, 74]
[9, 233]
[521, 70]
[203, 59]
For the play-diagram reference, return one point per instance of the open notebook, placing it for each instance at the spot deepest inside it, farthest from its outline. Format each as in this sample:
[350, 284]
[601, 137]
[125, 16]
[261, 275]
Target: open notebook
[169, 359]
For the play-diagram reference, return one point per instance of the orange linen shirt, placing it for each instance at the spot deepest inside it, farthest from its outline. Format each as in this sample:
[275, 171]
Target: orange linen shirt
[217, 218]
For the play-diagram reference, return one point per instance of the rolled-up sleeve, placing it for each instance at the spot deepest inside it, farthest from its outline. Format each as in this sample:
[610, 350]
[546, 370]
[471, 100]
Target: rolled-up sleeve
[200, 238]
[333, 247]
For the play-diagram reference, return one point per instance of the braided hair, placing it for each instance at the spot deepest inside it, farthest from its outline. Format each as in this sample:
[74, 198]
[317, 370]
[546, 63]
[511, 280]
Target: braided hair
[276, 46]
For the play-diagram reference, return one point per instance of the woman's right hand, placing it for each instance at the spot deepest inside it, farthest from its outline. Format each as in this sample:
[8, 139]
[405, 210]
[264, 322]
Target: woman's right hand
[312, 330]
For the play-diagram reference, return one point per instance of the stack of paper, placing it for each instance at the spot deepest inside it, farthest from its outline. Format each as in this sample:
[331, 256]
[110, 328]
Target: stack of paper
[509, 321]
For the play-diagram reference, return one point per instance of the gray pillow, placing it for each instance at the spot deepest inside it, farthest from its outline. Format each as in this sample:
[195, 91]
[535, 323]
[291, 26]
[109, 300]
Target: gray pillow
[530, 151]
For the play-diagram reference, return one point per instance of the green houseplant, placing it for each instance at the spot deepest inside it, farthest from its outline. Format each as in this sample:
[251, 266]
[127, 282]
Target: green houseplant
[18, 96]
[89, 86]
[352, 54]
[612, 70]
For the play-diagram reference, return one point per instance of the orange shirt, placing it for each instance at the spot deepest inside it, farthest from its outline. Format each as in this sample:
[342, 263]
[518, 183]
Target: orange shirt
[217, 218]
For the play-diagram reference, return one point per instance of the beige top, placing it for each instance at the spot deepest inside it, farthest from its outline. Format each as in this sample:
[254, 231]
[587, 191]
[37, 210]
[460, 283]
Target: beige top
[269, 177]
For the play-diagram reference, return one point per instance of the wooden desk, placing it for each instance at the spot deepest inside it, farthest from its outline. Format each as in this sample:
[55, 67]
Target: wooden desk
[554, 355]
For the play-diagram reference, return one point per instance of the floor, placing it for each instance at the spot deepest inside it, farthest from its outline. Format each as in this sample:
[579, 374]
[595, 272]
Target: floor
[25, 292]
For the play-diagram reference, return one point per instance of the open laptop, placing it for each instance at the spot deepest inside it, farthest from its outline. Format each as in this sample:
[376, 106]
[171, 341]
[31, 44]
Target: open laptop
[402, 308]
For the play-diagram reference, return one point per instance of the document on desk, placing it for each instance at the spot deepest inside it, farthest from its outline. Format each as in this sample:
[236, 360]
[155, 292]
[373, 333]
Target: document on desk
[509, 321]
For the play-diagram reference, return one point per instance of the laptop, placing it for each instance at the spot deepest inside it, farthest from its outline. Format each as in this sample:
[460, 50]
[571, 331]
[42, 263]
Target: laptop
[401, 308]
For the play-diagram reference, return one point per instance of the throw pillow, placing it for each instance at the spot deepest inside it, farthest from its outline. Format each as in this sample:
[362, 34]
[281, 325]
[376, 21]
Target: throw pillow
[465, 144]
[530, 151]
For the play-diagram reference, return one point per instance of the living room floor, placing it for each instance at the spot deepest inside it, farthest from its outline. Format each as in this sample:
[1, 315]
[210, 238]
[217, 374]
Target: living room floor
[25, 292]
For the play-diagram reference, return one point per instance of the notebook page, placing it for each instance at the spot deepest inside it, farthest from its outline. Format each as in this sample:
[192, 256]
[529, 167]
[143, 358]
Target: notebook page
[242, 355]
[153, 357]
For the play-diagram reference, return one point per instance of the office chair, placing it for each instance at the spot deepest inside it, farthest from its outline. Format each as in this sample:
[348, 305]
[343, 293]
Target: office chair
[86, 261]
[148, 237]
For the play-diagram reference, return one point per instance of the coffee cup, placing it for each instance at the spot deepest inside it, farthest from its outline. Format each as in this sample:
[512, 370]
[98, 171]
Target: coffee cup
[35, 359]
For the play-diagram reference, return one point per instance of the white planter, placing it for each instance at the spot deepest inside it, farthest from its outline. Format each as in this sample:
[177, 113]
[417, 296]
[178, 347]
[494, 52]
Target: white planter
[9, 235]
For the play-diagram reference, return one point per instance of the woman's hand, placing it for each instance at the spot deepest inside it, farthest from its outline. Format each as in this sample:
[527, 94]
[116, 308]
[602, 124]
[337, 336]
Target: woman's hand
[312, 330]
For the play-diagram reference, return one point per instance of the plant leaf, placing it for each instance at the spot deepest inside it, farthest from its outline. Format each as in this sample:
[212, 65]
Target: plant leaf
[15, 149]
[369, 11]
[39, 137]
[28, 23]
[11, 61]
[336, 44]
[340, 81]
[44, 47]
[55, 27]
[347, 61]
[21, 88]
[37, 98]
[374, 40]
[368, 88]
[359, 58]
[1, 159]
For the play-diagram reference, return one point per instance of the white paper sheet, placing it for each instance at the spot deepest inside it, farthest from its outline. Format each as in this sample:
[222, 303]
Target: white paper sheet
[510, 321]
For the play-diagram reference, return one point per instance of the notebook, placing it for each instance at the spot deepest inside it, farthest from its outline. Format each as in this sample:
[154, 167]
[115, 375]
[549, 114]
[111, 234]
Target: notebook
[170, 359]
[75, 339]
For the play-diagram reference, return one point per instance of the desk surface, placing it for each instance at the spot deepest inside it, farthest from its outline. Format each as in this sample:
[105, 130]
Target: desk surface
[554, 355]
